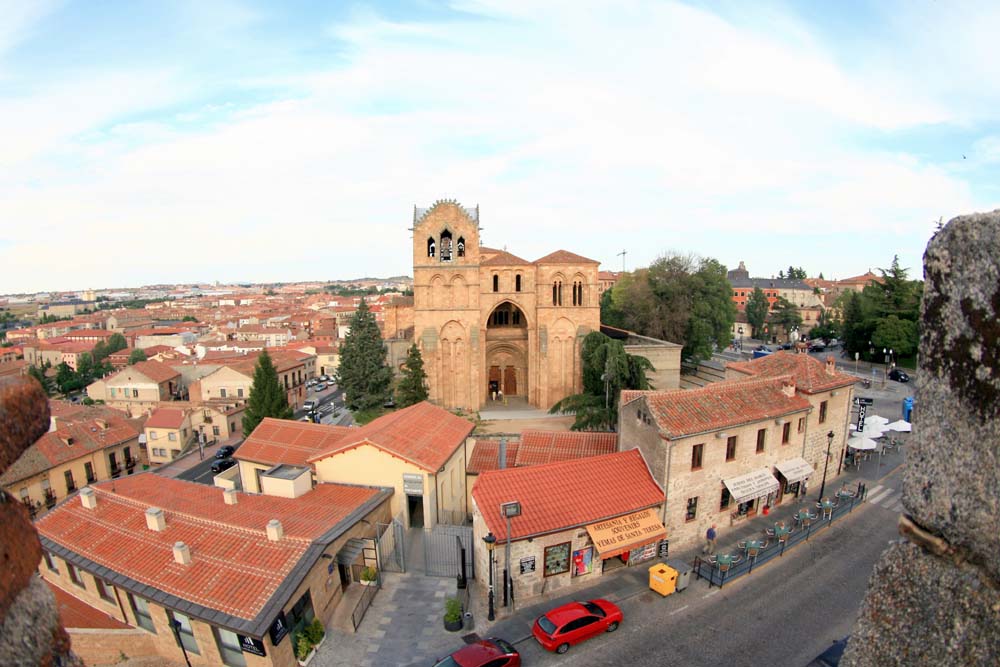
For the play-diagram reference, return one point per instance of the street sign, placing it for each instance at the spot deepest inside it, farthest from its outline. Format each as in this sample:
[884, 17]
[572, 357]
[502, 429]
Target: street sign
[862, 400]
[251, 645]
[862, 409]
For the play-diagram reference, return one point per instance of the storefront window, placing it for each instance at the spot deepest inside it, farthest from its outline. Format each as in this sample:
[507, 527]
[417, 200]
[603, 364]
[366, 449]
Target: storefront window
[556, 559]
[692, 509]
[229, 648]
[302, 613]
[726, 498]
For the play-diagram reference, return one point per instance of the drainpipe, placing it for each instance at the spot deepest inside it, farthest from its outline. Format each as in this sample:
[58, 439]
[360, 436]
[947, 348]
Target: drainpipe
[666, 484]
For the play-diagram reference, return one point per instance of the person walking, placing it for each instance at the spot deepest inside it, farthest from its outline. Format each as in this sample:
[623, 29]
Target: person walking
[710, 537]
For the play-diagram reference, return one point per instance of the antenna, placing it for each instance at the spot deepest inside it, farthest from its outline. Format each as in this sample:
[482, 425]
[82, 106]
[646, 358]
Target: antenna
[622, 255]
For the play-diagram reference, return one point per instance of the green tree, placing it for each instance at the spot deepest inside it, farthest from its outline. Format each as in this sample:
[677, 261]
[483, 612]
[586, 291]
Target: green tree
[786, 314]
[100, 351]
[898, 335]
[713, 312]
[610, 315]
[189, 318]
[363, 373]
[66, 379]
[267, 396]
[796, 273]
[607, 369]
[86, 369]
[116, 343]
[39, 375]
[412, 387]
[826, 327]
[756, 310]
[136, 356]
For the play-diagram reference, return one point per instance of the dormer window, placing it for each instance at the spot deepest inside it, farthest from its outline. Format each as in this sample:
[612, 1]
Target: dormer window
[431, 247]
[461, 246]
[446, 246]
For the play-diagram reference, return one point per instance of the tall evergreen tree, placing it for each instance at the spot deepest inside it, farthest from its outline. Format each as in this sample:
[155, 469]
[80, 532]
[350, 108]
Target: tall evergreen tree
[757, 309]
[412, 387]
[363, 373]
[267, 396]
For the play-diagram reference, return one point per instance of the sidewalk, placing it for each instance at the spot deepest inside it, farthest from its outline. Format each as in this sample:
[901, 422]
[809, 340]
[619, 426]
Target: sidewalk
[190, 459]
[631, 582]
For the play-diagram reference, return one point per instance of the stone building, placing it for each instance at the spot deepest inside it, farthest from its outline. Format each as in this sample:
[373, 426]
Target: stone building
[487, 320]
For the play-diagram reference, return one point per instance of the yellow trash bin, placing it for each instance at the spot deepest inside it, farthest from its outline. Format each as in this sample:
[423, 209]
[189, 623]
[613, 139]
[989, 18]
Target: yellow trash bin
[662, 579]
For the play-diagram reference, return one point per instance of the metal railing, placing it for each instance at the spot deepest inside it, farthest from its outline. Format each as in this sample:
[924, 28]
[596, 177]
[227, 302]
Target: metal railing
[718, 575]
[361, 608]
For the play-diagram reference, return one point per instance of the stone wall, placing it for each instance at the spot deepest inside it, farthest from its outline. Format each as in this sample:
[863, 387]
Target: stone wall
[934, 598]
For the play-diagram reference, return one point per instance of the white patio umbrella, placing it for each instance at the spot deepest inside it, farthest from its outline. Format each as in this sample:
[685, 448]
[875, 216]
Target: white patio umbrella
[861, 443]
[901, 426]
[875, 419]
[872, 431]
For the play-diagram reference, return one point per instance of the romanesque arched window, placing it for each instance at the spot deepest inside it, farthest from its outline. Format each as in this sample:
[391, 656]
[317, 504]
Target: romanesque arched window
[517, 283]
[431, 247]
[461, 246]
[577, 293]
[557, 293]
[446, 246]
[496, 283]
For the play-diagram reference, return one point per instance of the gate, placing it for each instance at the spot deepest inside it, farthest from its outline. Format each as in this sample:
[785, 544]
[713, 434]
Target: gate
[391, 547]
[443, 548]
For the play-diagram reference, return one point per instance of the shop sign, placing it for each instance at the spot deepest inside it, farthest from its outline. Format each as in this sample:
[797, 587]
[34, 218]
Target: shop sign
[862, 411]
[278, 629]
[527, 564]
[583, 561]
[251, 645]
[413, 484]
[643, 553]
[623, 533]
[751, 486]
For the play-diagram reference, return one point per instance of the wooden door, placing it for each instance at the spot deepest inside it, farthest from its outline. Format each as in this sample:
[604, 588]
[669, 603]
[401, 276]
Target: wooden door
[509, 382]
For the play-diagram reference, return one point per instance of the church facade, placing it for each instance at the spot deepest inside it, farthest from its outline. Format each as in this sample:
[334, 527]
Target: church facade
[488, 321]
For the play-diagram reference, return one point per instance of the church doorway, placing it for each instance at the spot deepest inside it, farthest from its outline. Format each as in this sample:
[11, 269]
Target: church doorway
[509, 386]
[506, 353]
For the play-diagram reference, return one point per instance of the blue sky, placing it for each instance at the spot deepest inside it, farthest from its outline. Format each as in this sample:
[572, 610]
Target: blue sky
[151, 142]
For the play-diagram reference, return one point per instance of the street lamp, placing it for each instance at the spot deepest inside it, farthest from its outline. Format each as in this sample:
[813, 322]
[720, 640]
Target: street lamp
[829, 444]
[491, 541]
[885, 369]
[871, 352]
[740, 331]
[175, 625]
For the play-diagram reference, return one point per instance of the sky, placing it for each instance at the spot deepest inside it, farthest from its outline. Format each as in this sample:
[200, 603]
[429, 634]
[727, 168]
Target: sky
[191, 141]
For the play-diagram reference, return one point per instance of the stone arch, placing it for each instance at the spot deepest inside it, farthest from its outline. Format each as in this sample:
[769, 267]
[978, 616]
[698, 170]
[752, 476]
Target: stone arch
[459, 292]
[453, 365]
[439, 291]
[513, 304]
[563, 359]
[558, 280]
[507, 368]
[579, 289]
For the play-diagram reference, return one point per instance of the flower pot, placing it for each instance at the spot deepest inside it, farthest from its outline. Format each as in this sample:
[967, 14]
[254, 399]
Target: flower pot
[453, 626]
[312, 654]
[365, 582]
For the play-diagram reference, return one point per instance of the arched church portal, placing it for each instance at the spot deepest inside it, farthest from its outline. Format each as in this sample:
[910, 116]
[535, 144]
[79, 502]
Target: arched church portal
[506, 352]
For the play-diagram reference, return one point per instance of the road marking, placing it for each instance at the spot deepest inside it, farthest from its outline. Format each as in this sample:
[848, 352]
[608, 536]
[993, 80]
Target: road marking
[677, 611]
[875, 489]
[877, 498]
[899, 507]
[710, 594]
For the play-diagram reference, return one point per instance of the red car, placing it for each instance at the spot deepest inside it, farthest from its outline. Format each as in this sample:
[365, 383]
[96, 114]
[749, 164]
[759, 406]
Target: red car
[574, 622]
[492, 652]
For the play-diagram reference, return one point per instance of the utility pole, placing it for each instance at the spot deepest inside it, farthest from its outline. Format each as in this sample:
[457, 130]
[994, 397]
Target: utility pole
[622, 255]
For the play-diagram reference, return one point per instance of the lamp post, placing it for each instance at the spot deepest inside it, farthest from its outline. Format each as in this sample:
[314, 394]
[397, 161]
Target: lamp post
[740, 331]
[885, 368]
[829, 444]
[175, 625]
[491, 541]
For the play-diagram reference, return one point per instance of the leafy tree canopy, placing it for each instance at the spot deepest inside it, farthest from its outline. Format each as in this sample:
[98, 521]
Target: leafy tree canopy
[363, 373]
[884, 314]
[267, 396]
[412, 386]
[136, 356]
[756, 311]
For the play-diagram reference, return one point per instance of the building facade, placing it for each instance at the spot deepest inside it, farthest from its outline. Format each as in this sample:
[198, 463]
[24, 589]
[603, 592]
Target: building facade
[490, 322]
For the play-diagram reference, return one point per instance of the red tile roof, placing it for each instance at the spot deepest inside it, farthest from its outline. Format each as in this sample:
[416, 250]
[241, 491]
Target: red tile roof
[563, 495]
[504, 258]
[683, 412]
[154, 370]
[75, 613]
[166, 418]
[277, 441]
[423, 434]
[486, 455]
[564, 257]
[234, 567]
[539, 447]
[810, 374]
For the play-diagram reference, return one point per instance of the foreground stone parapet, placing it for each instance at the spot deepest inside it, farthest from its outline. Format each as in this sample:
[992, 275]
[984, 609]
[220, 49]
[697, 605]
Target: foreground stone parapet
[952, 479]
[934, 598]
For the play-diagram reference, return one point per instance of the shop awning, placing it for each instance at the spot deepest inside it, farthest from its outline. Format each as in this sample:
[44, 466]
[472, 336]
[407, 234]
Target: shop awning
[627, 532]
[751, 485]
[795, 470]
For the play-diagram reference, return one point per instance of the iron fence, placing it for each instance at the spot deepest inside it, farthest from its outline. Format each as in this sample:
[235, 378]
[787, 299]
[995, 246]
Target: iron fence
[717, 574]
[391, 546]
[361, 608]
[444, 548]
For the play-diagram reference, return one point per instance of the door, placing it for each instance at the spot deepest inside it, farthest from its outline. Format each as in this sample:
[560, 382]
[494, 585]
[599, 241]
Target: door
[345, 575]
[509, 382]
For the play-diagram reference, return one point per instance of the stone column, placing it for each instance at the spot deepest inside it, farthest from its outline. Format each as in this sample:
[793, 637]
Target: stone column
[934, 597]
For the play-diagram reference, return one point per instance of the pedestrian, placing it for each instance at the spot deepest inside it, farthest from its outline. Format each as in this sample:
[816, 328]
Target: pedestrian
[710, 537]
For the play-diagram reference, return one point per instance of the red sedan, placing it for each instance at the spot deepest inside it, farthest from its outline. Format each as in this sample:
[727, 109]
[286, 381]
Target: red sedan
[574, 622]
[492, 652]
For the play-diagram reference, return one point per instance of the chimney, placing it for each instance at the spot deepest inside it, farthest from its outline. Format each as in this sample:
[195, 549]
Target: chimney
[788, 388]
[274, 530]
[831, 366]
[88, 498]
[155, 519]
[229, 495]
[182, 554]
[102, 423]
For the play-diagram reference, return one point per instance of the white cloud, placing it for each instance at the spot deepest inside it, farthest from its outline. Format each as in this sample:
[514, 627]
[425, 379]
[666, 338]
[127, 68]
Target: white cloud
[646, 127]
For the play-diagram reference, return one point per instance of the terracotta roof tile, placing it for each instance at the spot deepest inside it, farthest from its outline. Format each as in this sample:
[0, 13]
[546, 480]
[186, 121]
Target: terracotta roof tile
[539, 447]
[234, 567]
[682, 412]
[504, 258]
[810, 374]
[75, 613]
[166, 418]
[564, 257]
[486, 455]
[563, 495]
[423, 434]
[154, 370]
[277, 441]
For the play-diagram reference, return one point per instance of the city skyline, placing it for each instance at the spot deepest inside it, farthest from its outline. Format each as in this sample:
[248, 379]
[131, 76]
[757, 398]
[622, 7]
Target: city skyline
[242, 142]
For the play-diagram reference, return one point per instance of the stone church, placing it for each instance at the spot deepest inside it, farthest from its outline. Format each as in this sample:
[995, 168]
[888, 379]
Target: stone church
[488, 321]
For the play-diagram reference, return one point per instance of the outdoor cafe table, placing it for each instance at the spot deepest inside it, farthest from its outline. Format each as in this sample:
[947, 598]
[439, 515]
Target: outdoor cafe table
[753, 547]
[827, 506]
[723, 561]
[804, 517]
[843, 493]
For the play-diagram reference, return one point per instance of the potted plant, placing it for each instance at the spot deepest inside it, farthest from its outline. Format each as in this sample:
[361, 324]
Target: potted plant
[452, 615]
[369, 575]
[314, 631]
[304, 650]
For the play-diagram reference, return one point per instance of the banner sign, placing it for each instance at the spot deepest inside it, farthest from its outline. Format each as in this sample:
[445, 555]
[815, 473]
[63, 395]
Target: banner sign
[278, 629]
[251, 645]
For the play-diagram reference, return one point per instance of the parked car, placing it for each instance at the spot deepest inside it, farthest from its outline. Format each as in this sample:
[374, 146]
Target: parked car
[223, 464]
[311, 381]
[494, 652]
[898, 375]
[575, 622]
[225, 452]
[817, 347]
[324, 378]
[319, 386]
[309, 405]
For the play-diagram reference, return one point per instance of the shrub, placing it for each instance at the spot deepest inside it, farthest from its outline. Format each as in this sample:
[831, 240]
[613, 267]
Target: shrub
[302, 646]
[452, 610]
[369, 574]
[314, 631]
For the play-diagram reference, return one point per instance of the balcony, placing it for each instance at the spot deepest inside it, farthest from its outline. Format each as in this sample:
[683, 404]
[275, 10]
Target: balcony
[50, 498]
[32, 506]
[70, 488]
[116, 470]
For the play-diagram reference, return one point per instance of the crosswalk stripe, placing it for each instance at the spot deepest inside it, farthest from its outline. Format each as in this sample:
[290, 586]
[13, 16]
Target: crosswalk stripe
[878, 497]
[898, 507]
[875, 489]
